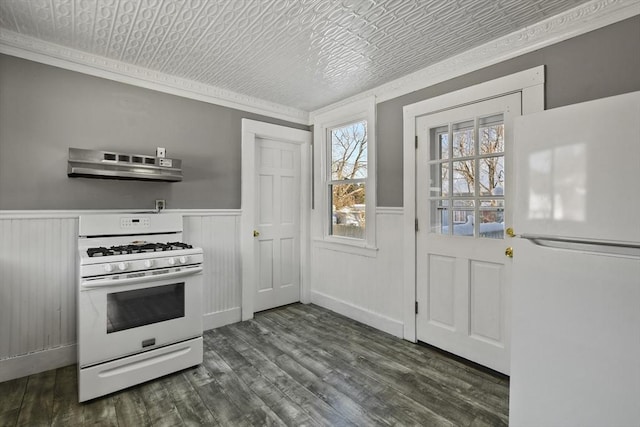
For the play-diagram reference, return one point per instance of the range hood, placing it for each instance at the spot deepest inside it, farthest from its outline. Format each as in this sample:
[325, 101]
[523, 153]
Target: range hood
[112, 165]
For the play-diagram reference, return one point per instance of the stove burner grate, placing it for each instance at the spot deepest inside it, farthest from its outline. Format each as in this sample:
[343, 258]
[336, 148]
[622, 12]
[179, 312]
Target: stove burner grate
[99, 251]
[137, 249]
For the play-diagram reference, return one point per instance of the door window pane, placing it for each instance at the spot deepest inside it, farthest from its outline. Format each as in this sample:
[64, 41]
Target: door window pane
[463, 222]
[439, 217]
[463, 178]
[492, 176]
[492, 219]
[439, 185]
[463, 139]
[439, 149]
[491, 133]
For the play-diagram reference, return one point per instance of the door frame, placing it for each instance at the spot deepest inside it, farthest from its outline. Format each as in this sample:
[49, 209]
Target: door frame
[253, 130]
[529, 82]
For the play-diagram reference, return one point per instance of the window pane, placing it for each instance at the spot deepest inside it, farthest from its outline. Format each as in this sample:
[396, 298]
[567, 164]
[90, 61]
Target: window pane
[439, 179]
[491, 132]
[463, 222]
[463, 141]
[349, 151]
[463, 211]
[463, 178]
[439, 143]
[492, 176]
[439, 217]
[492, 219]
[348, 210]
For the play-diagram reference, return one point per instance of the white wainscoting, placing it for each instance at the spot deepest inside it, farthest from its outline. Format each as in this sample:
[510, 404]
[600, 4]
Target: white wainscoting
[38, 269]
[222, 292]
[364, 287]
[37, 285]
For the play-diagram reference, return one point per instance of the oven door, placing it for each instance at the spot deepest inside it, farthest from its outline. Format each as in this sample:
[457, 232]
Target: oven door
[117, 320]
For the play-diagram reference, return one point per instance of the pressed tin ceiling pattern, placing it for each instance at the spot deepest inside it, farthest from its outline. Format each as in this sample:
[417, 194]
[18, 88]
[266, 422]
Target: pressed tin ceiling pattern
[298, 53]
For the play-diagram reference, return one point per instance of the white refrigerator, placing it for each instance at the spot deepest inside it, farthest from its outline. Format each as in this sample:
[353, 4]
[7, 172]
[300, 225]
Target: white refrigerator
[575, 358]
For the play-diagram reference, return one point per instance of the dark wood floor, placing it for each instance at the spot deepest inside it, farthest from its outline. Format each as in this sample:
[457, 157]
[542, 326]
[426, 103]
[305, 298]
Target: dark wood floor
[296, 365]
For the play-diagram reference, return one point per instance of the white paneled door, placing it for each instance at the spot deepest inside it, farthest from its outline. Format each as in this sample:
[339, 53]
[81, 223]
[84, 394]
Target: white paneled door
[277, 233]
[463, 205]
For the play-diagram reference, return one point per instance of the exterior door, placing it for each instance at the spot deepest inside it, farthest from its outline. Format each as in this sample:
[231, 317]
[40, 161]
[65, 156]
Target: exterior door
[463, 208]
[277, 232]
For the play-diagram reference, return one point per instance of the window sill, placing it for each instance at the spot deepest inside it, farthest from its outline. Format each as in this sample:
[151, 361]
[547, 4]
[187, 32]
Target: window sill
[346, 246]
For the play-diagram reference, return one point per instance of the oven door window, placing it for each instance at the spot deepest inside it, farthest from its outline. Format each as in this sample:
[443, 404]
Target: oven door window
[131, 309]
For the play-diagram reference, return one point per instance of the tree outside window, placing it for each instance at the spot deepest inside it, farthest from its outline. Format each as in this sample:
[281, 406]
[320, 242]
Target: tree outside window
[347, 181]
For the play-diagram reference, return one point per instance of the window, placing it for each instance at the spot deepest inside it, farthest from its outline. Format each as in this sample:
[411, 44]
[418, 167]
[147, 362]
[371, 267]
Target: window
[467, 168]
[346, 180]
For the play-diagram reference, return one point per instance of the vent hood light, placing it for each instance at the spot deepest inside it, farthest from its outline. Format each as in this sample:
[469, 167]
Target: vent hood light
[111, 165]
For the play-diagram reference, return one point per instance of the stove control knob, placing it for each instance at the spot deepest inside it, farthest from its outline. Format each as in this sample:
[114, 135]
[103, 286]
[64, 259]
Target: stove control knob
[108, 268]
[183, 260]
[148, 263]
[172, 261]
[123, 266]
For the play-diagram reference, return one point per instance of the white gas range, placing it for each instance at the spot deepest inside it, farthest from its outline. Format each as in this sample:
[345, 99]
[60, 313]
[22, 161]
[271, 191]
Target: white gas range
[139, 301]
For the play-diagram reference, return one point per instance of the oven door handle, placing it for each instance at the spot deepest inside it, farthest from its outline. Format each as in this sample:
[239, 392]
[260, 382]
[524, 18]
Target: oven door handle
[98, 283]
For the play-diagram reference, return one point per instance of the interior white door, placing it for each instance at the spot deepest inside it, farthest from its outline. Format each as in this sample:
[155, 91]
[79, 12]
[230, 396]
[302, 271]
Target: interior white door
[463, 176]
[277, 232]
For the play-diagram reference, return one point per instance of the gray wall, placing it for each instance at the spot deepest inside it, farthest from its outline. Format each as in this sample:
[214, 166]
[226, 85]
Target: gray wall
[598, 64]
[44, 110]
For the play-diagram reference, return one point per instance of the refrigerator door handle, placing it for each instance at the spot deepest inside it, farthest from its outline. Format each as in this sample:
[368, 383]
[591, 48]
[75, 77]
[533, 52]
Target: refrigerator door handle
[603, 247]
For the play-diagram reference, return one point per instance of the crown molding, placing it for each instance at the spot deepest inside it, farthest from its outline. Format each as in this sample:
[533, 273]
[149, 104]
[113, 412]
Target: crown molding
[574, 22]
[14, 44]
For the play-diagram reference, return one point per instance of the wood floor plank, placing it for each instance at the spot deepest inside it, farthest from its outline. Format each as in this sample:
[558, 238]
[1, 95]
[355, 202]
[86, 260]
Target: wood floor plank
[224, 410]
[100, 412]
[187, 401]
[316, 408]
[9, 418]
[130, 408]
[287, 410]
[37, 404]
[238, 392]
[12, 393]
[294, 365]
[159, 405]
[66, 410]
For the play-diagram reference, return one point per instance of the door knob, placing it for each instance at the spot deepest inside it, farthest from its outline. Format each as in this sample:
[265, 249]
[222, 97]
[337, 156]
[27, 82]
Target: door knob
[509, 252]
[256, 233]
[510, 232]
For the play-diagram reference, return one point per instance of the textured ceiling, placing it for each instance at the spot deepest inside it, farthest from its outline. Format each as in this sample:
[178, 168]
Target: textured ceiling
[299, 53]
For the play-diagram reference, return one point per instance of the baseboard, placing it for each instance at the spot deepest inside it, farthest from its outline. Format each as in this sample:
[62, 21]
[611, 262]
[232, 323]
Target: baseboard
[40, 361]
[368, 317]
[221, 318]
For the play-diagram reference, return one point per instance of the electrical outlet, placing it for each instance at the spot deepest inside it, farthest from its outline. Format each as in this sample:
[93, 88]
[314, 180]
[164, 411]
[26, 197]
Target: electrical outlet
[160, 204]
[161, 152]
